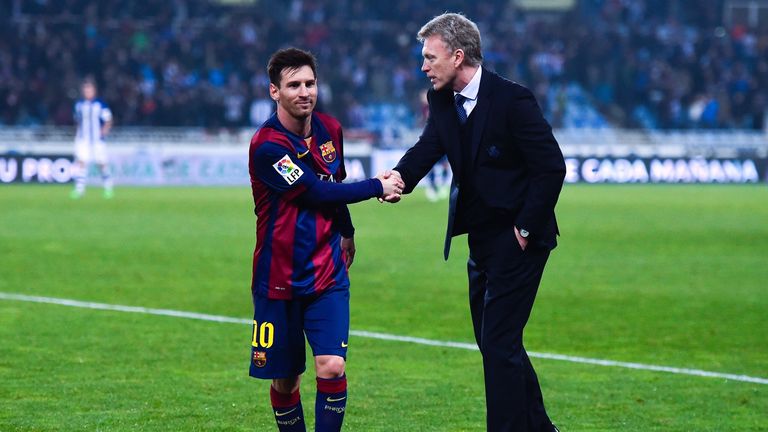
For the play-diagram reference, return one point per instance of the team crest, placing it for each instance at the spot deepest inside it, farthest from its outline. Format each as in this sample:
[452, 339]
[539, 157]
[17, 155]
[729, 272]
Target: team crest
[328, 151]
[289, 170]
[259, 359]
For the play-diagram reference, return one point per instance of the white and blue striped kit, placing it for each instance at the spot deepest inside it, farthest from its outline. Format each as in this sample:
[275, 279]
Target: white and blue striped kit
[90, 116]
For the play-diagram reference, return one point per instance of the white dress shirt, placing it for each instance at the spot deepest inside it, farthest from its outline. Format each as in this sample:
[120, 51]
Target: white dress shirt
[470, 92]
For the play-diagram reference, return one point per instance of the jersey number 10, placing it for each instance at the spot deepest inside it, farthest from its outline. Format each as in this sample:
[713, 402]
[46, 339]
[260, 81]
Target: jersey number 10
[263, 335]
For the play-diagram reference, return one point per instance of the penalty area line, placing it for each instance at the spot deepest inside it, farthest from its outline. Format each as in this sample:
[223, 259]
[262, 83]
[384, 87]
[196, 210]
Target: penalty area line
[383, 336]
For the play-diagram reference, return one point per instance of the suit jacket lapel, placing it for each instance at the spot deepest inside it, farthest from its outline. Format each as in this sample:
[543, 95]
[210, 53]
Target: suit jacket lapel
[480, 112]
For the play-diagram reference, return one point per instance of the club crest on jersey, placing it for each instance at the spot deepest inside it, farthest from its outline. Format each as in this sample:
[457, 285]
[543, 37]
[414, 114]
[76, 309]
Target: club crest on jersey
[259, 359]
[328, 151]
[289, 170]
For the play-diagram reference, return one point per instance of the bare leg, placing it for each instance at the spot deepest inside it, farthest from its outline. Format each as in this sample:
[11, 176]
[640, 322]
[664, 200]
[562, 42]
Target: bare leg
[331, 399]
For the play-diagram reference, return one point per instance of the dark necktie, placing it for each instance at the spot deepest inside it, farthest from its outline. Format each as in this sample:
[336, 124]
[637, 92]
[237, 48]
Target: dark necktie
[460, 108]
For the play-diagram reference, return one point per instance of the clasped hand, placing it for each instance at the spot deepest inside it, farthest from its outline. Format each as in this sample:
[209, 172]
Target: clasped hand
[393, 185]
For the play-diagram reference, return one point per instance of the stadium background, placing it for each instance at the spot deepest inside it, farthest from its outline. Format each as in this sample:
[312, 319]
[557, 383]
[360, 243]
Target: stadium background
[638, 91]
[627, 80]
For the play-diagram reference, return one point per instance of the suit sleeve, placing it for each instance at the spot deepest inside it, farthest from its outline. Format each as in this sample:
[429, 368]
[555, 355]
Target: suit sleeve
[420, 158]
[544, 160]
[286, 174]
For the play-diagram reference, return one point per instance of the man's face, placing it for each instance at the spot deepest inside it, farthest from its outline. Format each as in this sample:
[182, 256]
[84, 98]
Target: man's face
[439, 62]
[297, 93]
[89, 91]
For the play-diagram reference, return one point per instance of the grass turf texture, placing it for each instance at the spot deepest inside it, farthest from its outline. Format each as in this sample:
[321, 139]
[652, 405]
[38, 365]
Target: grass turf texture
[669, 275]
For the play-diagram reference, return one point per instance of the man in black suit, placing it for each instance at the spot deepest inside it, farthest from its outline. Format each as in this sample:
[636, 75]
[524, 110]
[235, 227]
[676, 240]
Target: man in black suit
[508, 172]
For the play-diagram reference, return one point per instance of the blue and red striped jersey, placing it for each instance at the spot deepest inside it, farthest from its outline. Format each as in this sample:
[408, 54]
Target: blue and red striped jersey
[298, 247]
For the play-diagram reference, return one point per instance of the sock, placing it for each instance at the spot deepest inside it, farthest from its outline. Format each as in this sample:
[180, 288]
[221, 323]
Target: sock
[106, 177]
[288, 412]
[80, 177]
[330, 404]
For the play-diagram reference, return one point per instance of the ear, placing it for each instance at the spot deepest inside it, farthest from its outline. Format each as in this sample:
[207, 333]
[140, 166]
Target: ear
[458, 58]
[274, 92]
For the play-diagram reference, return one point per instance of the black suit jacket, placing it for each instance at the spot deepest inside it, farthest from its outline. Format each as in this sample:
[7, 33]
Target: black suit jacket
[519, 167]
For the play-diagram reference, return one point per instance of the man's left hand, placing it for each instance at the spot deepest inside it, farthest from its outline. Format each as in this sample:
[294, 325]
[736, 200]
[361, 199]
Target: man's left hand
[348, 249]
[520, 240]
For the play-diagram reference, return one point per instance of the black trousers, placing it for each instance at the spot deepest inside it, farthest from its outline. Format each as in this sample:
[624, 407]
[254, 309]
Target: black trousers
[503, 281]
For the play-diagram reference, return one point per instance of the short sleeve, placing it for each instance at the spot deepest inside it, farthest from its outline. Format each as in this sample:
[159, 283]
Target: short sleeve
[106, 114]
[282, 171]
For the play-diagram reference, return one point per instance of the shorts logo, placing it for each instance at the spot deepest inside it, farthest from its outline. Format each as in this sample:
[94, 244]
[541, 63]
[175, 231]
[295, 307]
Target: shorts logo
[286, 168]
[259, 359]
[328, 151]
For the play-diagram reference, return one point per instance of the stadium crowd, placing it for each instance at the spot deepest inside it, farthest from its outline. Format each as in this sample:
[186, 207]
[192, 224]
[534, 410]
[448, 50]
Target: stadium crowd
[644, 63]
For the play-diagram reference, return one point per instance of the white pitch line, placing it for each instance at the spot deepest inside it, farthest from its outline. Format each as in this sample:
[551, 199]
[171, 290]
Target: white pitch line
[383, 336]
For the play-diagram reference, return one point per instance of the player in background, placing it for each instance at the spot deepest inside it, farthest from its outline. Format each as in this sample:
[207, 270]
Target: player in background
[437, 181]
[304, 246]
[93, 119]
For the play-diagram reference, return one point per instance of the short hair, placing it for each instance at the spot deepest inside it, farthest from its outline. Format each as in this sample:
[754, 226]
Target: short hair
[457, 32]
[89, 80]
[289, 58]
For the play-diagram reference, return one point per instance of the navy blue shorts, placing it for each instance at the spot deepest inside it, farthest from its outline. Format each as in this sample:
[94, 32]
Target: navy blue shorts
[279, 326]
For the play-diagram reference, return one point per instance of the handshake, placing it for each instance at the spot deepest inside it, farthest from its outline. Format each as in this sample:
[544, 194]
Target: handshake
[393, 185]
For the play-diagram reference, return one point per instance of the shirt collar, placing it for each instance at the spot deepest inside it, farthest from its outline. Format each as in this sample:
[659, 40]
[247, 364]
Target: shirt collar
[473, 87]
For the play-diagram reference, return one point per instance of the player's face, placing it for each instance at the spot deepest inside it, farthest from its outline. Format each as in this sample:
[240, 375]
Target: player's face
[439, 62]
[297, 93]
[89, 91]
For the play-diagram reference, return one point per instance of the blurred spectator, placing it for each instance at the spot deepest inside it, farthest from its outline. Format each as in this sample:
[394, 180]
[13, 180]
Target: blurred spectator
[641, 63]
[262, 107]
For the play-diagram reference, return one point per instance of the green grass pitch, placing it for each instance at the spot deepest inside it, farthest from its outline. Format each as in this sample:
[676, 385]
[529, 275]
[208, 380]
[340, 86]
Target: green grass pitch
[666, 275]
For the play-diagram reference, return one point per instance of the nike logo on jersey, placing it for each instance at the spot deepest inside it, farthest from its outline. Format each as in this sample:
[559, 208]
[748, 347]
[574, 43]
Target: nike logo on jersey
[279, 414]
[330, 399]
[344, 344]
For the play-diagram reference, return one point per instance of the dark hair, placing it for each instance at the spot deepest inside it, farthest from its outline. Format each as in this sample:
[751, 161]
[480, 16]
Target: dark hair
[289, 58]
[89, 80]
